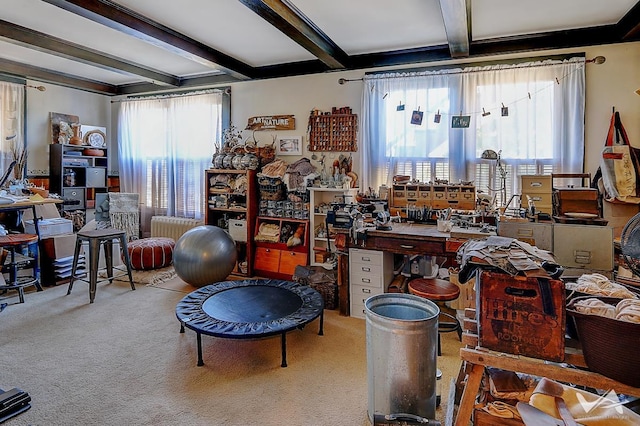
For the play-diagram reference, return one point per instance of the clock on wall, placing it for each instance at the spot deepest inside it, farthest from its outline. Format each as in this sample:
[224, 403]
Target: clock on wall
[95, 138]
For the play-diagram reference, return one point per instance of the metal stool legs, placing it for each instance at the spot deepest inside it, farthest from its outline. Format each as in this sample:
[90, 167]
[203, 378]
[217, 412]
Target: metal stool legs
[95, 241]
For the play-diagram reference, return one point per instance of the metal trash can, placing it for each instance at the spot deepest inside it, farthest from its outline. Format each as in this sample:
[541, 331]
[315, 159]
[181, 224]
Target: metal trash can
[402, 344]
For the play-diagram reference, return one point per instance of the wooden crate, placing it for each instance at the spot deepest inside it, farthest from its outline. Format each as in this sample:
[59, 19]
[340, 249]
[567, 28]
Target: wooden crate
[522, 315]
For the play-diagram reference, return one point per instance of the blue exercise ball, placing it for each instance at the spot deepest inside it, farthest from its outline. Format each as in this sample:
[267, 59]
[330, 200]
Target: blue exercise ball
[204, 255]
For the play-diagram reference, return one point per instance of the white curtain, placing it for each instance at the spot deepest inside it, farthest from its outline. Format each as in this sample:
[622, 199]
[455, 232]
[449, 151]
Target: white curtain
[543, 131]
[166, 143]
[11, 124]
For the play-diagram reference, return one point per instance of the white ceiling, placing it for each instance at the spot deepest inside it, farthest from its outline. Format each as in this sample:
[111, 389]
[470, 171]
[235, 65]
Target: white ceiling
[115, 51]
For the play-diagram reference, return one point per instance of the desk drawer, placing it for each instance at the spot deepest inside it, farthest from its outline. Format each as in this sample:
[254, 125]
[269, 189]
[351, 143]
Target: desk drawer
[396, 245]
[365, 257]
[366, 279]
[359, 294]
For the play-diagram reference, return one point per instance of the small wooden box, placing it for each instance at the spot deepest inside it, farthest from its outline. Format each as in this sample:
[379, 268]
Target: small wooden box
[575, 200]
[522, 315]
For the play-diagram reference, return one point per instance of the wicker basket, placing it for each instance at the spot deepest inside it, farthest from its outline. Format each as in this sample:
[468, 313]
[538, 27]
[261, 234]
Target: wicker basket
[272, 189]
[609, 346]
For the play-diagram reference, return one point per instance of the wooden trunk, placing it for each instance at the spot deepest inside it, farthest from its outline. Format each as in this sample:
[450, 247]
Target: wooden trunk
[522, 315]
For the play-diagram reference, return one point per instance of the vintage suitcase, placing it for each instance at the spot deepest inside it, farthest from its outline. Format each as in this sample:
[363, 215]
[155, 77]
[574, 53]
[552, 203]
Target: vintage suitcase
[522, 315]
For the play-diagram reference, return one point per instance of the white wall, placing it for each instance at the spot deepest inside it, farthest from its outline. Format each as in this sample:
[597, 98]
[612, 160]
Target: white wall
[91, 109]
[607, 85]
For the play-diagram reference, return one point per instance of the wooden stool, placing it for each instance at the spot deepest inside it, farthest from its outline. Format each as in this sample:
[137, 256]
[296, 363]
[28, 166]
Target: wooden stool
[11, 243]
[96, 239]
[438, 291]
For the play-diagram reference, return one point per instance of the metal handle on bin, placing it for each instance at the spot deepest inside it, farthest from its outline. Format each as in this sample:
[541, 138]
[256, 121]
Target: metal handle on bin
[404, 246]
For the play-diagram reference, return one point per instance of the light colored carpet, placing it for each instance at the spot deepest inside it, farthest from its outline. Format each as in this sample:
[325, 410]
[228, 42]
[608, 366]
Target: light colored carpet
[122, 361]
[150, 277]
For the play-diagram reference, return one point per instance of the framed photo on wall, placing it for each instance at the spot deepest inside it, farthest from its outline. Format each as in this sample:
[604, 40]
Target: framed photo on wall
[289, 145]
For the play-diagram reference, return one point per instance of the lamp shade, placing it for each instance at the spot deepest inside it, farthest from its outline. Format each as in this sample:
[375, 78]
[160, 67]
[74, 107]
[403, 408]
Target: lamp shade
[489, 154]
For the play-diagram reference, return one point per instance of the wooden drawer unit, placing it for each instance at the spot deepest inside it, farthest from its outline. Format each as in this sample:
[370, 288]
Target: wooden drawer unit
[539, 188]
[370, 272]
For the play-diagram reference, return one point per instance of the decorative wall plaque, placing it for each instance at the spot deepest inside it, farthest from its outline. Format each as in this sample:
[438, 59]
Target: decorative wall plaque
[271, 122]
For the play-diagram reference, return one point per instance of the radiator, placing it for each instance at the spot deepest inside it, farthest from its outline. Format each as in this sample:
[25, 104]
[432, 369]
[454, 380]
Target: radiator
[171, 226]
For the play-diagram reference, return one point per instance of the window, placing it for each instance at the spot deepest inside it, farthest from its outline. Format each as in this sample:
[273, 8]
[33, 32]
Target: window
[531, 113]
[12, 145]
[166, 143]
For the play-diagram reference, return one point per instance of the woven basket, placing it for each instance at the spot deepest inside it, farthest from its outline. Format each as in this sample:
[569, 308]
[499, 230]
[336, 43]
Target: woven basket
[609, 346]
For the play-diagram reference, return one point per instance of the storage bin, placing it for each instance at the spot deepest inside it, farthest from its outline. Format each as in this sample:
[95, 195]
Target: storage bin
[238, 229]
[609, 346]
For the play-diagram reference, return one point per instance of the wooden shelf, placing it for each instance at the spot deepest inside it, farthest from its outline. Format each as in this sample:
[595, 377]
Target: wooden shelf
[333, 132]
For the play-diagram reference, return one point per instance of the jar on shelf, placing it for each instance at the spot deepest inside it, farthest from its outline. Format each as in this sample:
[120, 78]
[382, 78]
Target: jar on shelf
[69, 177]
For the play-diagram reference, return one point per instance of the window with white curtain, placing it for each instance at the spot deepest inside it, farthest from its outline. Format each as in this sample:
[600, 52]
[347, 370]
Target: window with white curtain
[12, 145]
[166, 143]
[532, 113]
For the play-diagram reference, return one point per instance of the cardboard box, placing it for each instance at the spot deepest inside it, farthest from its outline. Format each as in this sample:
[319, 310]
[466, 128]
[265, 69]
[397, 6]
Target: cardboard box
[59, 246]
[49, 227]
[50, 223]
[618, 214]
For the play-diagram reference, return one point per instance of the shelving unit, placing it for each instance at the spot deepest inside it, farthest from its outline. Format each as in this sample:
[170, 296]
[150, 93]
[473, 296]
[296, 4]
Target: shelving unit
[232, 205]
[278, 259]
[333, 132]
[321, 245]
[76, 176]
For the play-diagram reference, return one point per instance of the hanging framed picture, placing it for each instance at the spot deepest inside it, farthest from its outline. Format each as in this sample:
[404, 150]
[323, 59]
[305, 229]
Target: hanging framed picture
[289, 145]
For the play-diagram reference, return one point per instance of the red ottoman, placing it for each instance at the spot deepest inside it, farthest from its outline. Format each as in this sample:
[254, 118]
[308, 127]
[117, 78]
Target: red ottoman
[151, 253]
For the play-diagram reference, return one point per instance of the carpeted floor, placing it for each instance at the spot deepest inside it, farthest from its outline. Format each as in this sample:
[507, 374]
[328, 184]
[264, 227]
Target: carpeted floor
[122, 361]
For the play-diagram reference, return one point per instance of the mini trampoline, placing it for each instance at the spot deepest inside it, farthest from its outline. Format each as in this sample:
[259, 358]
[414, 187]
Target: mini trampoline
[249, 309]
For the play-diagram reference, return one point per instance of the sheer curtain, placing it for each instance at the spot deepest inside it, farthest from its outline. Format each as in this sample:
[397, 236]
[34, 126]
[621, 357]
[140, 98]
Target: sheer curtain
[543, 130]
[166, 143]
[11, 123]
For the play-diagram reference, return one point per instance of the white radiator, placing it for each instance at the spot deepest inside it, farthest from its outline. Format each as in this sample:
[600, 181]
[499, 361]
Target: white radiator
[171, 226]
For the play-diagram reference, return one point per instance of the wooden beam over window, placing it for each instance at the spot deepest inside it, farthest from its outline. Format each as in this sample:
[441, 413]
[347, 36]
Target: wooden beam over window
[456, 15]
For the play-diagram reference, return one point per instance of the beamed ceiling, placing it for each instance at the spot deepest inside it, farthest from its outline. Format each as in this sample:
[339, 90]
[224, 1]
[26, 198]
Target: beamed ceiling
[136, 46]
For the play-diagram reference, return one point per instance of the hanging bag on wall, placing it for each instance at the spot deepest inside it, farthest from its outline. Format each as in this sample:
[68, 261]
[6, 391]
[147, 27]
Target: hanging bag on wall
[619, 165]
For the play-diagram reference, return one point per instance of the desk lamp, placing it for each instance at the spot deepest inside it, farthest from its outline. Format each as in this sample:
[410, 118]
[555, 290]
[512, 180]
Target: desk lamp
[490, 154]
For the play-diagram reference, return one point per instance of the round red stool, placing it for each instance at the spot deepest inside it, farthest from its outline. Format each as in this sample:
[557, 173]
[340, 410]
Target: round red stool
[151, 253]
[438, 290]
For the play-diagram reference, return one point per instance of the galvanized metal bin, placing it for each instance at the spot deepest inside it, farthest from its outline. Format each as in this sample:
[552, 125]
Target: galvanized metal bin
[402, 343]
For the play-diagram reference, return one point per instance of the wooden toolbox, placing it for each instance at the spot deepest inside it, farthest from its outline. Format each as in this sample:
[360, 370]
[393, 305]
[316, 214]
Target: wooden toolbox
[522, 315]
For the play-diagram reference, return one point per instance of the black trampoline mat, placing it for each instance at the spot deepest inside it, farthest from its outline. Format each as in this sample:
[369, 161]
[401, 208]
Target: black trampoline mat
[252, 304]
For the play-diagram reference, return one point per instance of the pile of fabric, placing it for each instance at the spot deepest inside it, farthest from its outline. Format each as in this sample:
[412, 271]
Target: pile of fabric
[625, 310]
[298, 174]
[599, 285]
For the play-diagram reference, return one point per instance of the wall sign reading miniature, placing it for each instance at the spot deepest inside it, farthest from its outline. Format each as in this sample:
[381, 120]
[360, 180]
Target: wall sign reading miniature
[271, 122]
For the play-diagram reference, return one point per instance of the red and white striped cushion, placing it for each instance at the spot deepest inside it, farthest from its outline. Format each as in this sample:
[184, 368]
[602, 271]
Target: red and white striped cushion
[151, 253]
